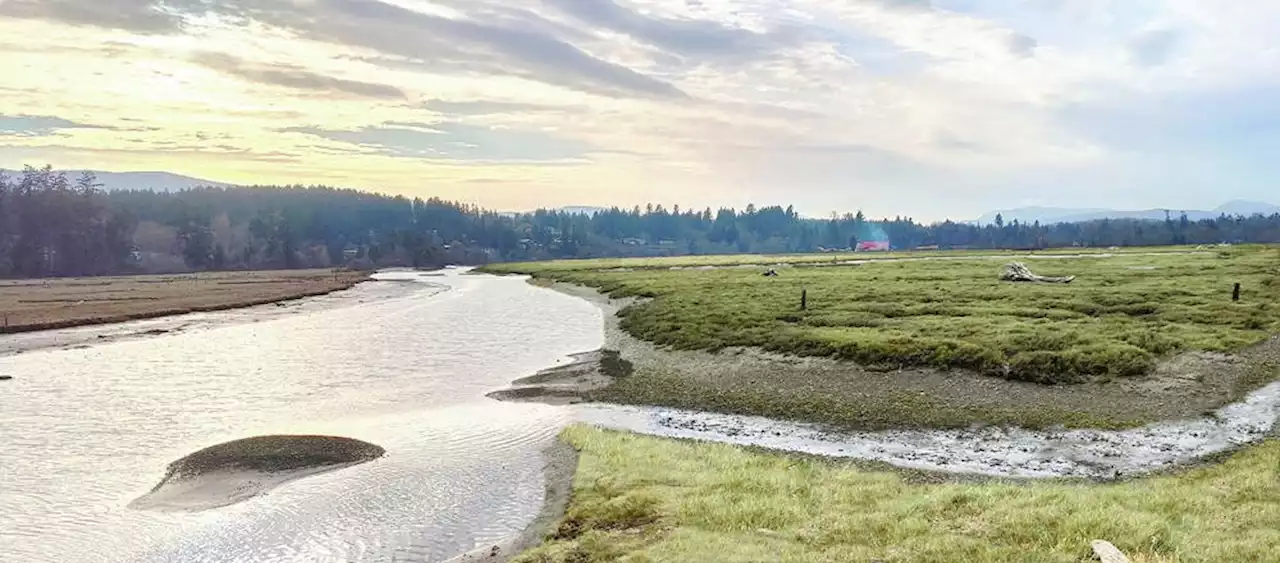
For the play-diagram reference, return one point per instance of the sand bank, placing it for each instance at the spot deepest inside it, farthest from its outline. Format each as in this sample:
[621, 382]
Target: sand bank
[236, 471]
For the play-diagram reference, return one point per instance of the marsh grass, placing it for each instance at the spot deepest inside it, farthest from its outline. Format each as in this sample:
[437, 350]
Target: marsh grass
[1120, 316]
[645, 499]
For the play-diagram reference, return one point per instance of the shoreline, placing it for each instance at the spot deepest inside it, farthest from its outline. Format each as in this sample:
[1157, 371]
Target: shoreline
[691, 500]
[676, 401]
[845, 395]
[342, 281]
[561, 468]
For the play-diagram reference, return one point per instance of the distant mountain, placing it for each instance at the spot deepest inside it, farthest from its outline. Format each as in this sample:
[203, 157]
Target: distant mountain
[570, 209]
[580, 209]
[1241, 207]
[1047, 215]
[157, 181]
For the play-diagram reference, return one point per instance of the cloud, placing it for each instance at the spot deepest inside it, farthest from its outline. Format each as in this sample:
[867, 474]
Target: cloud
[488, 107]
[454, 141]
[687, 37]
[38, 125]
[953, 105]
[290, 76]
[1023, 45]
[140, 16]
[1154, 47]
[437, 43]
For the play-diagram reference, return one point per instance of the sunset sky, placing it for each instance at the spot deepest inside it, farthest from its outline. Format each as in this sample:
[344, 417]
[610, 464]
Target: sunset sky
[932, 109]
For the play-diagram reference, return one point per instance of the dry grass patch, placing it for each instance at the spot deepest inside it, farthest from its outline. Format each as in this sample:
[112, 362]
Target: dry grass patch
[62, 302]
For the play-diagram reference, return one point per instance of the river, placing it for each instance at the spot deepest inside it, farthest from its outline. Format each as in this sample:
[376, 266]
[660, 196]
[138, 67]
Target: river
[403, 362]
[95, 414]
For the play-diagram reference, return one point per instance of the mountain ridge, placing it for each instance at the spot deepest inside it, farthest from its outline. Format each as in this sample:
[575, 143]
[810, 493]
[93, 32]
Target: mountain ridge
[1047, 215]
[138, 180]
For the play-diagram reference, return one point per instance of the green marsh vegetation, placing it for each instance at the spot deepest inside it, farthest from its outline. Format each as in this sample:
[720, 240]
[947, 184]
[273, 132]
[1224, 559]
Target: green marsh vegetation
[643, 499]
[1122, 314]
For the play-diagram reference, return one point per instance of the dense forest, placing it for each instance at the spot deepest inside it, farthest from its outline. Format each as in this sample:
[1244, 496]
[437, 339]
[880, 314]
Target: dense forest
[51, 225]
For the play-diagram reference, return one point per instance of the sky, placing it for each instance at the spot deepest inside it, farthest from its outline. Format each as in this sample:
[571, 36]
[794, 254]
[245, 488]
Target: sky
[928, 109]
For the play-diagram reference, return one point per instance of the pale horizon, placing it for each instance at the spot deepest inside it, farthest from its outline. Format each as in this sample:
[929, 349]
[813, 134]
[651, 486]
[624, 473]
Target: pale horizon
[931, 110]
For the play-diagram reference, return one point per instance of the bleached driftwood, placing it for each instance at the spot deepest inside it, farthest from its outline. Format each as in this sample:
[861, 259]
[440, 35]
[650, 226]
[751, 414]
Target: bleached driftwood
[1019, 272]
[1108, 553]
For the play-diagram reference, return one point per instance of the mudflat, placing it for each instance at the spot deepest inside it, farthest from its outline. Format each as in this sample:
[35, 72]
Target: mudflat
[235, 471]
[726, 339]
[42, 304]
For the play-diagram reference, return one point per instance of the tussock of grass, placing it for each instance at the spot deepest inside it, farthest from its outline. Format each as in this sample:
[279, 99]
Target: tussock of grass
[649, 499]
[1117, 320]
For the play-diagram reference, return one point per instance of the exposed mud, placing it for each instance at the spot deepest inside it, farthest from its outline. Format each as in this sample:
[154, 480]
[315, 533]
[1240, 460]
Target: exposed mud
[1003, 452]
[1192, 406]
[826, 390]
[383, 286]
[571, 383]
[236, 471]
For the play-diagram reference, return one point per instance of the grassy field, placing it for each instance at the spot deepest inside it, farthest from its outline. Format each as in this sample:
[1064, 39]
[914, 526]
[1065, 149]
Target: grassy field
[643, 499]
[41, 304]
[806, 259]
[1122, 314]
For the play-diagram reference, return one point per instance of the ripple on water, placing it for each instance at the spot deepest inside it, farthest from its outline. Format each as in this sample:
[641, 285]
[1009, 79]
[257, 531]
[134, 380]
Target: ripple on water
[406, 372]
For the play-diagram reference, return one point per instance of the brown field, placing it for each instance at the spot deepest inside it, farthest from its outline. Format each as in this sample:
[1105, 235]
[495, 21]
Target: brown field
[41, 304]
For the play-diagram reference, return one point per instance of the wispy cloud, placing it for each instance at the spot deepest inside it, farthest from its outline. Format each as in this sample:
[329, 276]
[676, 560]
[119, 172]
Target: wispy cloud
[38, 125]
[142, 16]
[290, 76]
[942, 107]
[454, 141]
[489, 107]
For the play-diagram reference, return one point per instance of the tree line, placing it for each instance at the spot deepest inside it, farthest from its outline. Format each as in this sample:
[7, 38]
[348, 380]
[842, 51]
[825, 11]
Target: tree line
[51, 225]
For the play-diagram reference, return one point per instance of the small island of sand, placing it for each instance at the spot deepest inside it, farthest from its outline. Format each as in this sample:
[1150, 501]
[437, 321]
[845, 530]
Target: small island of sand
[242, 469]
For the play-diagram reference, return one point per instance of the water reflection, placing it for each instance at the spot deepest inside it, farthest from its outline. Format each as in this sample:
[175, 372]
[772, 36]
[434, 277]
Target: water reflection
[87, 430]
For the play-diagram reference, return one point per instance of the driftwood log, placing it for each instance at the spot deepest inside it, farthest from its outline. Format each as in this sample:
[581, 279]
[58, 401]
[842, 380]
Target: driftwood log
[1019, 272]
[1107, 553]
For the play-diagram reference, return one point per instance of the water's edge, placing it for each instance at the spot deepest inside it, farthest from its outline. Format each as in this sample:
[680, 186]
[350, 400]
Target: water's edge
[989, 451]
[561, 467]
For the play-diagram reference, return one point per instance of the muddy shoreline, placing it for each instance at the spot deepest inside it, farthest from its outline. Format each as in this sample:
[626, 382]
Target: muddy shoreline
[85, 335]
[561, 467]
[841, 394]
[340, 283]
[1193, 408]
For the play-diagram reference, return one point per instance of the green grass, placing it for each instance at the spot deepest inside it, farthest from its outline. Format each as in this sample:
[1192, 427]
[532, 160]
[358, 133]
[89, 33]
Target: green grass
[643, 499]
[1121, 315]
[851, 405]
[666, 262]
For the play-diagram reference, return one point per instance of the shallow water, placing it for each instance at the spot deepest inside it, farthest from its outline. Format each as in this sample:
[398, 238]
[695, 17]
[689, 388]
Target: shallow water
[402, 364]
[90, 423]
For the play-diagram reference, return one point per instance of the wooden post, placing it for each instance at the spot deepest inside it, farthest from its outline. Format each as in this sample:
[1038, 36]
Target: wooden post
[804, 299]
[1235, 293]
